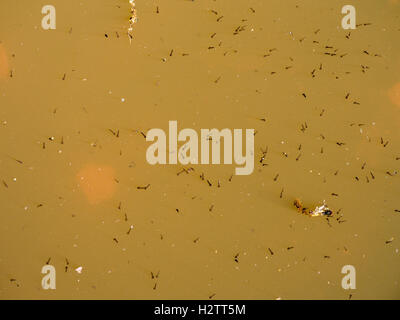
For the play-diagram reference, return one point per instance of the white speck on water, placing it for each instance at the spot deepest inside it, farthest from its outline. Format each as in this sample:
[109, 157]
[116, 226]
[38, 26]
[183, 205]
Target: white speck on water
[79, 269]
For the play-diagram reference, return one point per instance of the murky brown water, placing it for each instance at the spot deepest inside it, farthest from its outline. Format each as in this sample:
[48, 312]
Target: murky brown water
[73, 100]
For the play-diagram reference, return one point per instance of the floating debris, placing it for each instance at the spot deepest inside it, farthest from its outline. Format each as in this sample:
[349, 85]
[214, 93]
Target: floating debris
[319, 211]
[143, 187]
[132, 19]
[390, 240]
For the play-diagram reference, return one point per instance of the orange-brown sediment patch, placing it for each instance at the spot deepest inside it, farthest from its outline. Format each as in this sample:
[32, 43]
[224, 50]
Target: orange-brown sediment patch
[97, 182]
[394, 94]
